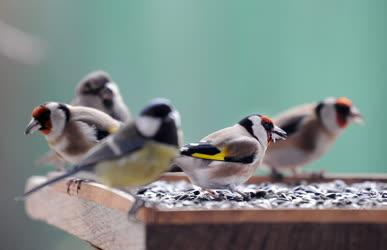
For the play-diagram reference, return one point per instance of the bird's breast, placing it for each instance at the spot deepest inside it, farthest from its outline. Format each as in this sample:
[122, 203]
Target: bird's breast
[139, 168]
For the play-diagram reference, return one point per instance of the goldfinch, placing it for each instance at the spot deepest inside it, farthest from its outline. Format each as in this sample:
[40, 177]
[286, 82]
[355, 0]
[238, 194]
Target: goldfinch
[311, 129]
[136, 155]
[71, 131]
[229, 157]
[96, 90]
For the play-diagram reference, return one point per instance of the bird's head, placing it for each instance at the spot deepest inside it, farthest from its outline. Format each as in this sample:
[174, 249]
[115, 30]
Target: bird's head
[159, 121]
[337, 113]
[100, 85]
[262, 128]
[49, 118]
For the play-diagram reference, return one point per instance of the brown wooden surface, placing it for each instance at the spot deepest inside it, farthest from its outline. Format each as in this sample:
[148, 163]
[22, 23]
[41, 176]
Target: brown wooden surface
[122, 201]
[98, 215]
[347, 178]
[267, 236]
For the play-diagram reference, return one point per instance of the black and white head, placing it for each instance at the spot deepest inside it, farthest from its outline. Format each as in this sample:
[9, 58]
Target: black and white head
[99, 84]
[49, 118]
[262, 128]
[337, 113]
[159, 121]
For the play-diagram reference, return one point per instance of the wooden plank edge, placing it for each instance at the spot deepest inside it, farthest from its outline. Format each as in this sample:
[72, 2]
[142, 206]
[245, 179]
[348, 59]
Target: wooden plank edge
[372, 216]
[122, 201]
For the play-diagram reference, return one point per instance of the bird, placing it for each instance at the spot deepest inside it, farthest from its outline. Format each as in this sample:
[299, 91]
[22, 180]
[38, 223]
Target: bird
[311, 129]
[227, 158]
[138, 154]
[98, 90]
[71, 131]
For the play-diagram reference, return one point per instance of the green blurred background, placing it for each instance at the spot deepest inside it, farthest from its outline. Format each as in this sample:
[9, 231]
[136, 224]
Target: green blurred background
[217, 61]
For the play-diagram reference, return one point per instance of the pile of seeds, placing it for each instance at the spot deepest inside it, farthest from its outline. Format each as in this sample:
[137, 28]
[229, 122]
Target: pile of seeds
[334, 194]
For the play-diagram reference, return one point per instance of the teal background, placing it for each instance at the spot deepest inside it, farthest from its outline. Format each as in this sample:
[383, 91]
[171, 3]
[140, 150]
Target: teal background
[216, 60]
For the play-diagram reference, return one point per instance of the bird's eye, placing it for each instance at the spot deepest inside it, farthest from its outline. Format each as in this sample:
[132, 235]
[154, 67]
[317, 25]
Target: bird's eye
[267, 123]
[342, 109]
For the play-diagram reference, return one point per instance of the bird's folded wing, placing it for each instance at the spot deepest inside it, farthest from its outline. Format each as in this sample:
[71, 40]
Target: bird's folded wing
[291, 124]
[239, 150]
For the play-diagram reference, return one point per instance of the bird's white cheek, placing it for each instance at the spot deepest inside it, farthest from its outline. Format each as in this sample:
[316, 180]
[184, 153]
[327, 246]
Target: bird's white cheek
[58, 124]
[148, 126]
[329, 119]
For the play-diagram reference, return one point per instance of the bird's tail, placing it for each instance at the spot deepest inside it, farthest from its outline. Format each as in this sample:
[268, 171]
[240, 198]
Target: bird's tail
[51, 181]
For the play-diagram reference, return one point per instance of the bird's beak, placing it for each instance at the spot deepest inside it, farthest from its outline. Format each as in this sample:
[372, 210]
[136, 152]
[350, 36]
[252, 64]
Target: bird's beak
[32, 127]
[278, 134]
[356, 116]
[108, 92]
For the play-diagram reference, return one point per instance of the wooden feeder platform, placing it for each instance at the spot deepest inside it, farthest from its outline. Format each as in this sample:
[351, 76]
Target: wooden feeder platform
[98, 215]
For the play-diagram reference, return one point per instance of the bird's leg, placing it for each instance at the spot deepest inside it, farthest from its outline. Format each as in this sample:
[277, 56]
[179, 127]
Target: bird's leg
[78, 182]
[276, 175]
[319, 175]
[213, 194]
[138, 203]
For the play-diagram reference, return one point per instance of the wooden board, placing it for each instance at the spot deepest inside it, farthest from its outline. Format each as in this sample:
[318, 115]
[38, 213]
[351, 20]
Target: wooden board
[98, 215]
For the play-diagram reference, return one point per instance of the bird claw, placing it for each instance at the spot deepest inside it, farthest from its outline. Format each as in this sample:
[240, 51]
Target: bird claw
[319, 175]
[276, 176]
[138, 203]
[78, 183]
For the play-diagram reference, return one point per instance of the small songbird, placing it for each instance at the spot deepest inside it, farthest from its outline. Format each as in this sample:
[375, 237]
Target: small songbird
[311, 130]
[229, 157]
[71, 131]
[97, 90]
[136, 155]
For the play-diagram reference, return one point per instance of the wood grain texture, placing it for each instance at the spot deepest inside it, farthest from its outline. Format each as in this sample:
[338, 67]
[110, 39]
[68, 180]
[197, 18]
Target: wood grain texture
[266, 236]
[98, 215]
[106, 227]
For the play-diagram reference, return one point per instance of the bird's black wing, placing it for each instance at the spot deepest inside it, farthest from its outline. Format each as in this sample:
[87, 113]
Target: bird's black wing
[124, 142]
[241, 151]
[291, 125]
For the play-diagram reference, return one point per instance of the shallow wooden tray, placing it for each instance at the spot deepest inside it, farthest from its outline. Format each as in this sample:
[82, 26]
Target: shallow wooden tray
[98, 214]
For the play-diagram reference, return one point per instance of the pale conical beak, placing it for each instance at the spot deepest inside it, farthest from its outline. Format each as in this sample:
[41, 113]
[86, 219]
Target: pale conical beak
[356, 116]
[32, 127]
[107, 93]
[278, 134]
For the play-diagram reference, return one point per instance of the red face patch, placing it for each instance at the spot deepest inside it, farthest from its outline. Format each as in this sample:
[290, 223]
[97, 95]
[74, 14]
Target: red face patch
[266, 119]
[38, 111]
[343, 108]
[344, 101]
[268, 124]
[42, 115]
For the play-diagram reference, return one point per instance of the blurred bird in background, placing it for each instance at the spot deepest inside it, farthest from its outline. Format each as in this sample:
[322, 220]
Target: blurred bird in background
[311, 130]
[229, 157]
[97, 90]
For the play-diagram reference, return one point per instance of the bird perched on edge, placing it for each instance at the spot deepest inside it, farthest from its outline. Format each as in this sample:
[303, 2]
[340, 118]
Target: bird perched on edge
[229, 157]
[71, 131]
[136, 155]
[96, 90]
[311, 129]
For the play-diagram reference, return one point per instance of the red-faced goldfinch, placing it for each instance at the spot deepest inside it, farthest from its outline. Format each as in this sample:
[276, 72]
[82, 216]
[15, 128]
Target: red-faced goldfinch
[96, 90]
[229, 157]
[71, 131]
[311, 130]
